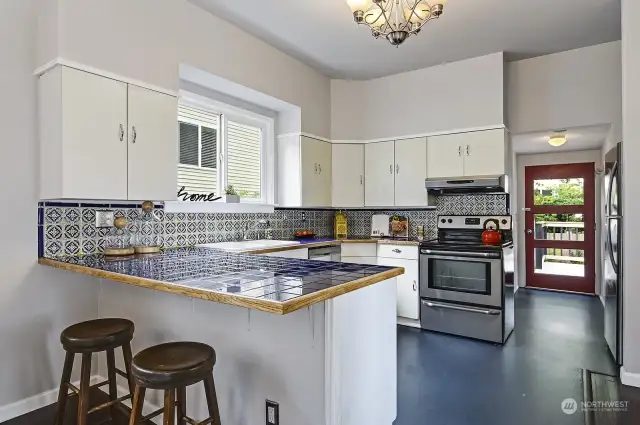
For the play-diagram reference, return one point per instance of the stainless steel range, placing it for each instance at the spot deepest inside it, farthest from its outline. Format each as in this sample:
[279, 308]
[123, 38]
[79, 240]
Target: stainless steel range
[462, 281]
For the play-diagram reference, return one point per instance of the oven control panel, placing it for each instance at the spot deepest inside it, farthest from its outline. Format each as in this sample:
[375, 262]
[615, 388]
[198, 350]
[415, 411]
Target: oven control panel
[475, 222]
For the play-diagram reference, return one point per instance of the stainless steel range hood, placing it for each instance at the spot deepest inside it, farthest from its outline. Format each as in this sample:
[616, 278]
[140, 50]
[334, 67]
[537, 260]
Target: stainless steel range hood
[468, 185]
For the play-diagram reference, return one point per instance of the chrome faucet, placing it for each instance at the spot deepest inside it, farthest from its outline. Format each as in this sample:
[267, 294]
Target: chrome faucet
[248, 230]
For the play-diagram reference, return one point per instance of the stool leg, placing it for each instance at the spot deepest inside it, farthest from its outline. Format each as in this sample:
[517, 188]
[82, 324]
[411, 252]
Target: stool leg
[169, 414]
[62, 394]
[83, 397]
[136, 405]
[212, 400]
[182, 406]
[128, 358]
[113, 385]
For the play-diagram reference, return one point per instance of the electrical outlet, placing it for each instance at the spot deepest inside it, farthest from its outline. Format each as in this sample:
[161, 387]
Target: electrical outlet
[273, 413]
[104, 219]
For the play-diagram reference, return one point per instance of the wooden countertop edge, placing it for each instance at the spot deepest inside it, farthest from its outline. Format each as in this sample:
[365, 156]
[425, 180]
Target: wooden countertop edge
[269, 306]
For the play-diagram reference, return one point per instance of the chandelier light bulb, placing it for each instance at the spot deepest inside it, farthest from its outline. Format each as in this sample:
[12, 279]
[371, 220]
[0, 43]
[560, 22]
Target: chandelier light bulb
[359, 5]
[558, 139]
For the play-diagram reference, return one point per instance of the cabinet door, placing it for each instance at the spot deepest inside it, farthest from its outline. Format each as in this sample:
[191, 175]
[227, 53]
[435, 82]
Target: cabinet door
[379, 174]
[360, 260]
[484, 153]
[315, 159]
[408, 296]
[94, 131]
[411, 172]
[347, 187]
[153, 145]
[444, 156]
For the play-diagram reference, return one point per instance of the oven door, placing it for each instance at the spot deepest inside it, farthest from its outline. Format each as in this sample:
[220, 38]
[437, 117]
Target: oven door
[465, 277]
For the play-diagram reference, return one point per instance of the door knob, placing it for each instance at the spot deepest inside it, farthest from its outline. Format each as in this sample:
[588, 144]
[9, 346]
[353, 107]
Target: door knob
[529, 231]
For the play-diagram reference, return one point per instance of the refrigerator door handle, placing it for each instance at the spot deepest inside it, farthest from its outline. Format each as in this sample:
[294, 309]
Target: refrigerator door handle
[614, 263]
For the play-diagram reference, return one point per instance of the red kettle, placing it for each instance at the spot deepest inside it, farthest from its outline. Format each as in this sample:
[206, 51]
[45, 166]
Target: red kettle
[491, 234]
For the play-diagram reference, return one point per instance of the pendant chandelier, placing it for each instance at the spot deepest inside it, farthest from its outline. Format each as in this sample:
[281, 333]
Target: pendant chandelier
[395, 20]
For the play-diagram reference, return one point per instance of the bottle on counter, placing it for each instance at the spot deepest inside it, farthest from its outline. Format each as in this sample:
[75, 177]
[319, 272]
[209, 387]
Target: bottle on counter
[421, 233]
[340, 225]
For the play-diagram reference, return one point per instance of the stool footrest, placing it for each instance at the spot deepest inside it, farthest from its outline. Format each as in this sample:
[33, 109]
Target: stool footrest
[75, 390]
[152, 415]
[122, 373]
[110, 403]
[194, 422]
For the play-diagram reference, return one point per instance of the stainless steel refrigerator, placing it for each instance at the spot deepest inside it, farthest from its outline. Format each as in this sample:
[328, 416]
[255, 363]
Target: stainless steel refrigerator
[612, 270]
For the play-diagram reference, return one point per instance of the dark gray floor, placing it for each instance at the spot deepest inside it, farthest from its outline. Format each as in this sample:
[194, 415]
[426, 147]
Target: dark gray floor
[445, 380]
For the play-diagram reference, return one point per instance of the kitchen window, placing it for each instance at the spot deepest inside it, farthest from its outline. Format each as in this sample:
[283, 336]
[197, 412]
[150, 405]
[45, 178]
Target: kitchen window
[220, 145]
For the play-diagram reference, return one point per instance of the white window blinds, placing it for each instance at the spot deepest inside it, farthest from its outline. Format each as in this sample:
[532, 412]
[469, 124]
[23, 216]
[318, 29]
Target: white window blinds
[244, 150]
[198, 139]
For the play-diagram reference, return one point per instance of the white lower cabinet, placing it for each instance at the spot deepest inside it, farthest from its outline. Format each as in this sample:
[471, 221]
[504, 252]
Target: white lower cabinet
[361, 260]
[301, 254]
[359, 253]
[408, 284]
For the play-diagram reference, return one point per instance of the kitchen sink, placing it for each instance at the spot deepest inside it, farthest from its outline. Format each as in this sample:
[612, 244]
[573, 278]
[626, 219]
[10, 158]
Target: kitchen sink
[249, 245]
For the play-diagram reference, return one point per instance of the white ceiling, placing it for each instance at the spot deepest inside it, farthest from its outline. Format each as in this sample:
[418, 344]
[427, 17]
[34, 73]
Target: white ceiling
[322, 33]
[578, 139]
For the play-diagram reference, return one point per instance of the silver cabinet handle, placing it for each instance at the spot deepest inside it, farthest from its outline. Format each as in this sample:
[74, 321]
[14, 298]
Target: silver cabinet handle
[467, 150]
[121, 132]
[316, 165]
[397, 251]
[397, 168]
[459, 150]
[415, 288]
[319, 169]
[391, 169]
[461, 308]
[361, 180]
[134, 134]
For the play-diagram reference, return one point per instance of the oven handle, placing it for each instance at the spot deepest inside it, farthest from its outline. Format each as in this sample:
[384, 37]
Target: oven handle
[461, 254]
[461, 308]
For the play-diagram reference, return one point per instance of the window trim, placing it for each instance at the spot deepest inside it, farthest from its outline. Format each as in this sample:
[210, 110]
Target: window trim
[228, 112]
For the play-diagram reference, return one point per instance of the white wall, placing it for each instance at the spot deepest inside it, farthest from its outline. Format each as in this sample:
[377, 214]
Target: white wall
[549, 159]
[576, 88]
[148, 39]
[631, 177]
[457, 95]
[36, 303]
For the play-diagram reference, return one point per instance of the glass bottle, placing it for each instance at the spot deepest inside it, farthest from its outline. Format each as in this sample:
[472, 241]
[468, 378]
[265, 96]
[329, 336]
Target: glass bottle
[118, 240]
[146, 240]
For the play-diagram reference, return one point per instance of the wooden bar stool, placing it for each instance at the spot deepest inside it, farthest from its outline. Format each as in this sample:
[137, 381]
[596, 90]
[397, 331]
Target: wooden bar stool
[173, 367]
[90, 337]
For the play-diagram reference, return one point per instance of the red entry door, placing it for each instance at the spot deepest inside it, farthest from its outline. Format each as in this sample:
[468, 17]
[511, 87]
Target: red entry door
[560, 227]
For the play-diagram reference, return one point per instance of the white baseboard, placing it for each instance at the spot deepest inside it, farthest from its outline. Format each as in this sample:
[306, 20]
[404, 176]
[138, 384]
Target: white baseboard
[35, 402]
[409, 322]
[629, 379]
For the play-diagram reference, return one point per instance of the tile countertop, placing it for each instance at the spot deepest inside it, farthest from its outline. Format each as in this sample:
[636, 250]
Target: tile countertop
[272, 284]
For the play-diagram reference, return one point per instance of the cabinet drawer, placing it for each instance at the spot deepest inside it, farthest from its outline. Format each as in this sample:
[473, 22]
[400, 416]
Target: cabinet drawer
[372, 261]
[359, 249]
[406, 252]
[302, 254]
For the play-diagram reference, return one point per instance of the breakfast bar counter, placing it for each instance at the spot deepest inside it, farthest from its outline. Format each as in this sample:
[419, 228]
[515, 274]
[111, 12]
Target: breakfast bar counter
[272, 284]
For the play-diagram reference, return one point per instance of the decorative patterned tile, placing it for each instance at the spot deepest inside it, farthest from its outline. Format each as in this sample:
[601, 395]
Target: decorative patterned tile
[53, 232]
[52, 215]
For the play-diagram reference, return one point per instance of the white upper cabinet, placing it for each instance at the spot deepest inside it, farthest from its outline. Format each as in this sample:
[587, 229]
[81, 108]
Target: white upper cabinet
[379, 174]
[484, 153]
[316, 172]
[83, 134]
[348, 175]
[411, 172]
[473, 154]
[153, 149]
[304, 172]
[87, 139]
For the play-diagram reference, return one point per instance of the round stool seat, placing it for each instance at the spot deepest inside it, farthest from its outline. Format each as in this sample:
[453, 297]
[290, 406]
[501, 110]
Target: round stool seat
[173, 365]
[97, 335]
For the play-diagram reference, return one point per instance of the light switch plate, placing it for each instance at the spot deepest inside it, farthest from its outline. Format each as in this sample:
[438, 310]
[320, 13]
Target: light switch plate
[104, 219]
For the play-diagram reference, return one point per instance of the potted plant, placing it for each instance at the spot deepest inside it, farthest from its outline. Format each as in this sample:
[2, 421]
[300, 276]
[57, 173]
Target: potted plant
[231, 196]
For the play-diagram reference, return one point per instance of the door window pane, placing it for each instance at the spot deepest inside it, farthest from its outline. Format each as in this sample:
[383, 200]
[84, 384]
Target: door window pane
[557, 261]
[462, 276]
[559, 227]
[558, 192]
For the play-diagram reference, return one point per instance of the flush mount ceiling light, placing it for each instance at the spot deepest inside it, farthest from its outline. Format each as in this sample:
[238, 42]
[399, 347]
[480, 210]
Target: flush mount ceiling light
[558, 139]
[395, 20]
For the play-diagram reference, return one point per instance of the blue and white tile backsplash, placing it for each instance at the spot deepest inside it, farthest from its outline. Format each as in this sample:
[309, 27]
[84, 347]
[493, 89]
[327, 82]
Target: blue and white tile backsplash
[69, 228]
